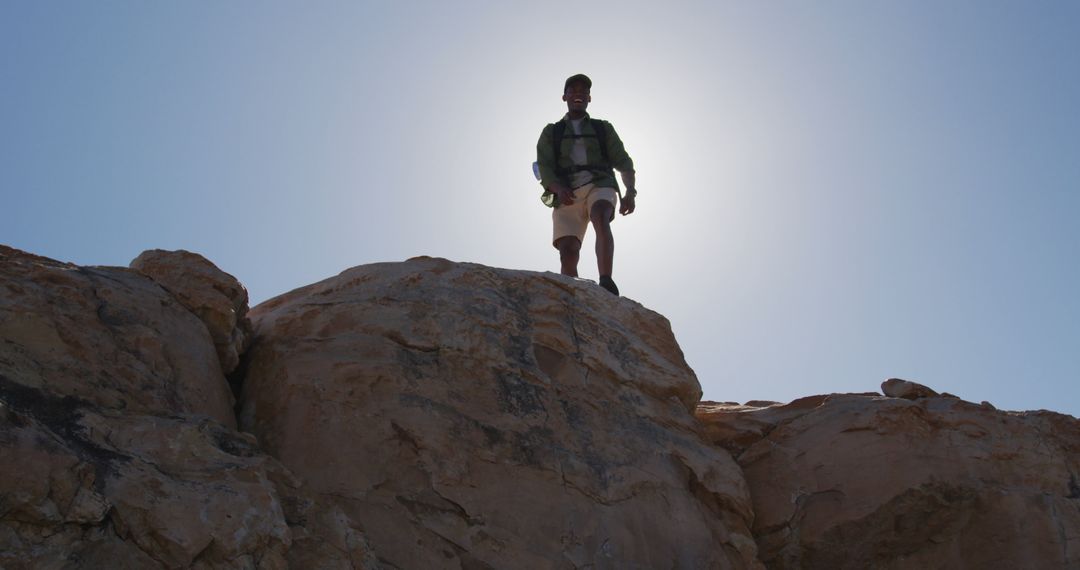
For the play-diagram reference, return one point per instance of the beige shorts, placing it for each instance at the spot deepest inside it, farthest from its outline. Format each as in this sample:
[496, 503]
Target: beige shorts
[573, 220]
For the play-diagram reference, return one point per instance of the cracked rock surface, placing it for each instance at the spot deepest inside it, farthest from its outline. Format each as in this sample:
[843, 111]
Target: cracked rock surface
[471, 417]
[864, 481]
[108, 336]
[216, 297]
[118, 446]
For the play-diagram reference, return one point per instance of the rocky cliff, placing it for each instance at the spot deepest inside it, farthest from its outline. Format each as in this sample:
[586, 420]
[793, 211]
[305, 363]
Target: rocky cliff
[430, 414]
[926, 481]
[118, 440]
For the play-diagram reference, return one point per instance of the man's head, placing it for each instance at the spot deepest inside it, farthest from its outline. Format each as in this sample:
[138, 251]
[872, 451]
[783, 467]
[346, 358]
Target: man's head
[576, 93]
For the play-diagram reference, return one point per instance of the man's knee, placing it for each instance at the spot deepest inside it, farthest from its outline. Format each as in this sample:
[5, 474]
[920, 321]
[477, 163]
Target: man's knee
[568, 246]
[602, 213]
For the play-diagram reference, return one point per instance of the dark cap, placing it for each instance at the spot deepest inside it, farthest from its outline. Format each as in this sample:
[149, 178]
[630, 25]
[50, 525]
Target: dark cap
[575, 78]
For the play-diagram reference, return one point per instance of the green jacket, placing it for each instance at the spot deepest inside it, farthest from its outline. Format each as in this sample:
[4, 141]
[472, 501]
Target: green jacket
[603, 176]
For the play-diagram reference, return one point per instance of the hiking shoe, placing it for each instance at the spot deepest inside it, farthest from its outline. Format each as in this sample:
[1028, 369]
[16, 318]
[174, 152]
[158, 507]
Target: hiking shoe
[607, 283]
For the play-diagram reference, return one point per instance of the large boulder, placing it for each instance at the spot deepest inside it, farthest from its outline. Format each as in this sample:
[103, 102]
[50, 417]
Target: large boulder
[216, 297]
[863, 481]
[116, 440]
[900, 388]
[108, 336]
[470, 417]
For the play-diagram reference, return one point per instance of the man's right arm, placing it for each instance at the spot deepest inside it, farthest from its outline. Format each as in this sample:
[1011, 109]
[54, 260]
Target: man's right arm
[548, 164]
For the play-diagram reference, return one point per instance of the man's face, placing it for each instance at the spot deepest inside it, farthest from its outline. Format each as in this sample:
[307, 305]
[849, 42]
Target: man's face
[577, 96]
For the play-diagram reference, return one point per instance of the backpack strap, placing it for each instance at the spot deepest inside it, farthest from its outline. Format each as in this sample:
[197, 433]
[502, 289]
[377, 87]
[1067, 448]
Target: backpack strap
[556, 140]
[601, 136]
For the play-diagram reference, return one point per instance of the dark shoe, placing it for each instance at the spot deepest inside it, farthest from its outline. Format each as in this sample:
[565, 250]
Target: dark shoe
[607, 283]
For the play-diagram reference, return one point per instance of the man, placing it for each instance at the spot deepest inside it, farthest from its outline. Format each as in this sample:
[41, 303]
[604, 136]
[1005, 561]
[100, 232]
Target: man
[576, 159]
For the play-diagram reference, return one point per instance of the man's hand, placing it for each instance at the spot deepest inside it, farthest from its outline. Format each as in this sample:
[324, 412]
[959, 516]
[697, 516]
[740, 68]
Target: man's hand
[565, 195]
[626, 205]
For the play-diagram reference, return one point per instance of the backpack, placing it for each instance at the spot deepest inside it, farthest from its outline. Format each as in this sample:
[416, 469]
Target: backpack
[601, 137]
[551, 200]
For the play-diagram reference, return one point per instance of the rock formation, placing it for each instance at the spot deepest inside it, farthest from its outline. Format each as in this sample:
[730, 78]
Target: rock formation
[430, 414]
[471, 417]
[107, 336]
[216, 297]
[899, 388]
[865, 481]
[117, 439]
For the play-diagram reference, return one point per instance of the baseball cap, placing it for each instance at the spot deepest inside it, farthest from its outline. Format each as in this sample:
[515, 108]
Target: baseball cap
[575, 78]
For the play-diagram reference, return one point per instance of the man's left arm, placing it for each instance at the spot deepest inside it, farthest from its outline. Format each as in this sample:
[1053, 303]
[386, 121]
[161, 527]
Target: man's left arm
[621, 161]
[626, 205]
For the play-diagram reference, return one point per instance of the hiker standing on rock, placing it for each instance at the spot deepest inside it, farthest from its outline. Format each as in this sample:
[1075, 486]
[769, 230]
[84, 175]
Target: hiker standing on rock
[576, 159]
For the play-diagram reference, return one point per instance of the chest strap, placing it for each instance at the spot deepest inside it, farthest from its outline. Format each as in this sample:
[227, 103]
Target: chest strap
[600, 135]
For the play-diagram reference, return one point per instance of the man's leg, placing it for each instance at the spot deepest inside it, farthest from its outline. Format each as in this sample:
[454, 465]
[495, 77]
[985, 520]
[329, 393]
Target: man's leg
[569, 252]
[601, 213]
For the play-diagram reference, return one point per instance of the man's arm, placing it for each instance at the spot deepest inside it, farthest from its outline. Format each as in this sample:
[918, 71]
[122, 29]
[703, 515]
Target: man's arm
[626, 205]
[548, 164]
[622, 162]
[628, 180]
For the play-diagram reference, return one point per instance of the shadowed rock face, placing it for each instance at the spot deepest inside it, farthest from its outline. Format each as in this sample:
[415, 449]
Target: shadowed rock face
[95, 489]
[117, 447]
[108, 336]
[864, 481]
[480, 418]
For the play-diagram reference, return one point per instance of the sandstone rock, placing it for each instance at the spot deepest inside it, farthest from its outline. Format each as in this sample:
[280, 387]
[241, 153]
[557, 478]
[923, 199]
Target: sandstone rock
[113, 490]
[151, 492]
[115, 442]
[470, 417]
[325, 537]
[857, 481]
[441, 415]
[216, 297]
[731, 427]
[897, 388]
[105, 335]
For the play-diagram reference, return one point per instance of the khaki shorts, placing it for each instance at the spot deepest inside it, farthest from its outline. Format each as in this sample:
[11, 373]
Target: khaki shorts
[573, 220]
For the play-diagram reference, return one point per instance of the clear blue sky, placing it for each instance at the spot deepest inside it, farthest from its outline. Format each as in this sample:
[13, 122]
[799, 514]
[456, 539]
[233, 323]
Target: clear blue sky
[832, 193]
